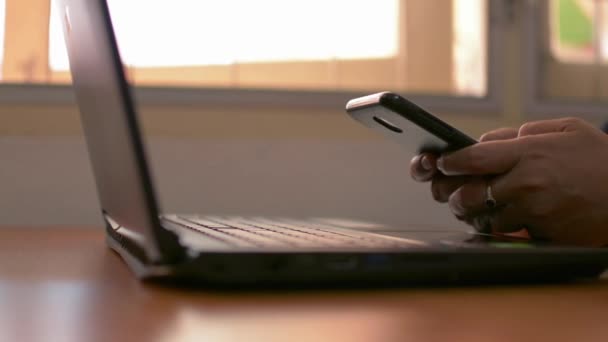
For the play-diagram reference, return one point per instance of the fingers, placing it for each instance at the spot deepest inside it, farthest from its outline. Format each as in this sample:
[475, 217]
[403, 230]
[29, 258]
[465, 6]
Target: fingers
[423, 167]
[484, 158]
[498, 151]
[508, 219]
[482, 223]
[469, 202]
[550, 126]
[514, 221]
[442, 186]
[520, 234]
[500, 134]
[469, 199]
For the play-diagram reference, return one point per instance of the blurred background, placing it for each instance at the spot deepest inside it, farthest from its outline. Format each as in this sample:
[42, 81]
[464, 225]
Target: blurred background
[242, 101]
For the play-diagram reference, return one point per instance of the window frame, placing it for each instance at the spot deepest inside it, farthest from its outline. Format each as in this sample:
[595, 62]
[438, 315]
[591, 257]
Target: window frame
[43, 94]
[535, 46]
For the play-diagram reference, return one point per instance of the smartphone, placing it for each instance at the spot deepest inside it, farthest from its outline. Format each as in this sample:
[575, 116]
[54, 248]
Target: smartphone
[406, 123]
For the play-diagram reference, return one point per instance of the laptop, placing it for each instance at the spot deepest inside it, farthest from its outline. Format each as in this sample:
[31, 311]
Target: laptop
[236, 251]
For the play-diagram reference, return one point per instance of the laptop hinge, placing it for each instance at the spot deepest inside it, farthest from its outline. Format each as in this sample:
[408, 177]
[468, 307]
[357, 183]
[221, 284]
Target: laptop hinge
[171, 251]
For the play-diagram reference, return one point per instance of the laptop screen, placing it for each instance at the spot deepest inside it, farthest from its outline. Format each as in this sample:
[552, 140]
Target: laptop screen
[109, 120]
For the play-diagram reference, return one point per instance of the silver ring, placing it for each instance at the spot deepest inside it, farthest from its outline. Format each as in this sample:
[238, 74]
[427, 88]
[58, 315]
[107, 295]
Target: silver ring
[490, 200]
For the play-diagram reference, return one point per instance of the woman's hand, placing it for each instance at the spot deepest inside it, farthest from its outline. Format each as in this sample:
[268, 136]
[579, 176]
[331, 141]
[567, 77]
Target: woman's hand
[551, 179]
[423, 168]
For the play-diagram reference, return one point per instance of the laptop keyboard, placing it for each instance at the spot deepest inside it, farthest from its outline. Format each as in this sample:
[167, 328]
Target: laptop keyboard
[264, 233]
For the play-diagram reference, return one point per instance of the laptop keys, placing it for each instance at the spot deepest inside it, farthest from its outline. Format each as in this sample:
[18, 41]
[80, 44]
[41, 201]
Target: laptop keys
[261, 232]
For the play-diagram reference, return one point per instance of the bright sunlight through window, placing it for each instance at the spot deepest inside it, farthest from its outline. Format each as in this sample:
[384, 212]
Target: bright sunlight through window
[469, 55]
[2, 17]
[157, 33]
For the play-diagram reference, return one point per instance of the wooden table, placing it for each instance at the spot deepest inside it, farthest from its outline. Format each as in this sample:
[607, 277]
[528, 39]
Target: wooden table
[62, 284]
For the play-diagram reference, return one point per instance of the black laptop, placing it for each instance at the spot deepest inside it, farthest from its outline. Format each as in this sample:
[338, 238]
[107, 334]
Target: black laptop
[217, 250]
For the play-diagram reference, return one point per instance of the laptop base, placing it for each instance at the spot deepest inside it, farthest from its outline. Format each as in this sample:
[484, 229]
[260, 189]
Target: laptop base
[250, 270]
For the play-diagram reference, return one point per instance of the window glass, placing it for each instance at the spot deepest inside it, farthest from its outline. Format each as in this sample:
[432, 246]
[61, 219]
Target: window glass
[193, 32]
[436, 47]
[469, 54]
[580, 30]
[576, 67]
[2, 15]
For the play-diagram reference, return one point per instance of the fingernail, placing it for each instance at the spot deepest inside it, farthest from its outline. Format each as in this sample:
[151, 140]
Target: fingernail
[426, 163]
[440, 164]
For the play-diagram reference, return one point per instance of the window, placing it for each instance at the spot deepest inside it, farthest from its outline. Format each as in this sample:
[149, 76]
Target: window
[2, 12]
[568, 54]
[579, 30]
[417, 46]
[181, 33]
[470, 56]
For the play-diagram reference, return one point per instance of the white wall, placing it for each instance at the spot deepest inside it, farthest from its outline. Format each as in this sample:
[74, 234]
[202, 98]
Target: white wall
[48, 181]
